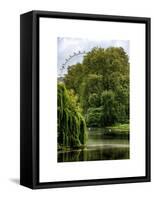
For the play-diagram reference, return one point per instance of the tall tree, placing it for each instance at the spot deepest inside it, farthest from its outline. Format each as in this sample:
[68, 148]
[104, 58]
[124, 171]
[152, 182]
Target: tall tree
[101, 77]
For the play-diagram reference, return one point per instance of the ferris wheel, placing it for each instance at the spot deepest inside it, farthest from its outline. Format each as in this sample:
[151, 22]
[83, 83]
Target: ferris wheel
[65, 64]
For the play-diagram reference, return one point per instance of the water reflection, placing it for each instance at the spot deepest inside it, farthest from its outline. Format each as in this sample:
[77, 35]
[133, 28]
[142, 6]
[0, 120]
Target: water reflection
[98, 148]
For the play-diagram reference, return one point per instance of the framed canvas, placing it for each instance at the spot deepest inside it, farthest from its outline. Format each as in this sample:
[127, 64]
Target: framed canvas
[85, 99]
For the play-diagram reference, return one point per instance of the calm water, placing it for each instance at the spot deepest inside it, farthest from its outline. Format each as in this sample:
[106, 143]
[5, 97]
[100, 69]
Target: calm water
[98, 148]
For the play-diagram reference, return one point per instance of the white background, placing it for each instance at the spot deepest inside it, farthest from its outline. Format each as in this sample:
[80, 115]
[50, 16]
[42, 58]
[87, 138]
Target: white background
[50, 170]
[9, 100]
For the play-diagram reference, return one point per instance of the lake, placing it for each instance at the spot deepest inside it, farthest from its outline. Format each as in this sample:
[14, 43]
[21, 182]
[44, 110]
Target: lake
[102, 144]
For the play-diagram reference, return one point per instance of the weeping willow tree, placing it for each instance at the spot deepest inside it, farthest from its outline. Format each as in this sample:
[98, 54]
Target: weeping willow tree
[71, 124]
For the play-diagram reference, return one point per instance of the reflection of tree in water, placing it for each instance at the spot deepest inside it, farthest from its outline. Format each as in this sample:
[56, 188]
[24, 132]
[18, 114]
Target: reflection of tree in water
[107, 153]
[69, 156]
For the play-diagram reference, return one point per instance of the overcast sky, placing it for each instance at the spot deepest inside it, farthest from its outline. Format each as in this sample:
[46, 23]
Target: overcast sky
[67, 47]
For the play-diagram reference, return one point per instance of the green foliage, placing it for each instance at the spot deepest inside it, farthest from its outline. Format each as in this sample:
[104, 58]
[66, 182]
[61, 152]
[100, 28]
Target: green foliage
[105, 114]
[91, 85]
[109, 107]
[94, 100]
[101, 83]
[94, 117]
[70, 80]
[120, 128]
[71, 124]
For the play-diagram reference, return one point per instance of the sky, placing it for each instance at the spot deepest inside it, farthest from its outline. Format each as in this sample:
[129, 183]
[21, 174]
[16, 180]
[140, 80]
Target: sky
[68, 46]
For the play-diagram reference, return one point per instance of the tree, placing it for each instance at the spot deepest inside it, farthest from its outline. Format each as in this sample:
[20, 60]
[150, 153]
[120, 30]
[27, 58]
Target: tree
[108, 103]
[71, 124]
[94, 117]
[101, 83]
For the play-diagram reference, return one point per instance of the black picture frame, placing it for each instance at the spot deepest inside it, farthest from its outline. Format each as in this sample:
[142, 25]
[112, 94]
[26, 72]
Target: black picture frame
[29, 99]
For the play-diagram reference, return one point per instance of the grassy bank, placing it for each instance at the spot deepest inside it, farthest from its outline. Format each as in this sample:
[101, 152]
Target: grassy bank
[117, 131]
[119, 127]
